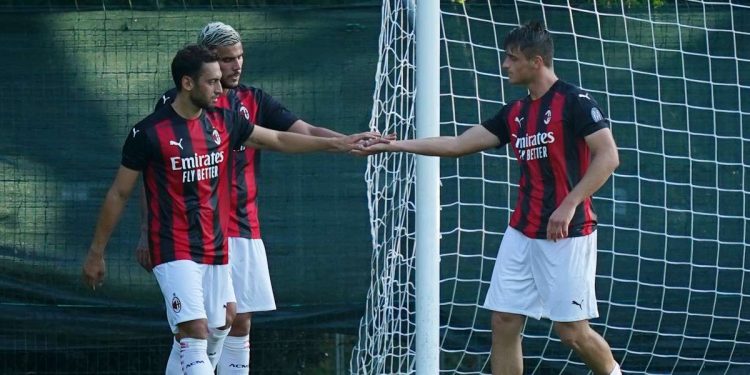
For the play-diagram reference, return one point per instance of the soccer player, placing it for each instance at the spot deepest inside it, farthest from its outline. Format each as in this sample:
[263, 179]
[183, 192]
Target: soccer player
[250, 274]
[185, 153]
[546, 263]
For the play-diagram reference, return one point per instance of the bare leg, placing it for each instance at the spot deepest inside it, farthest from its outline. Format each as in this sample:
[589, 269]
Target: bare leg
[241, 325]
[588, 344]
[507, 356]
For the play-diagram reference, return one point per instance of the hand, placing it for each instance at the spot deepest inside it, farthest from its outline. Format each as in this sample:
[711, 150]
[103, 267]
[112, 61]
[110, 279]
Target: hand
[94, 269]
[557, 227]
[374, 145]
[358, 141]
[142, 253]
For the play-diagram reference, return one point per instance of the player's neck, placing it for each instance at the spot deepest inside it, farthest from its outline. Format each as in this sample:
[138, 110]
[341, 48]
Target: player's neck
[185, 107]
[540, 86]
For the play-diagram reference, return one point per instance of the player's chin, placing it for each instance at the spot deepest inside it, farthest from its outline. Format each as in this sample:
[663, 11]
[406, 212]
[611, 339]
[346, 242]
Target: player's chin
[231, 83]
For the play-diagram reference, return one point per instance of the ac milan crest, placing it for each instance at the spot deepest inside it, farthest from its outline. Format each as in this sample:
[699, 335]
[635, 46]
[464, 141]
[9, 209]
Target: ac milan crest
[216, 137]
[245, 113]
[176, 304]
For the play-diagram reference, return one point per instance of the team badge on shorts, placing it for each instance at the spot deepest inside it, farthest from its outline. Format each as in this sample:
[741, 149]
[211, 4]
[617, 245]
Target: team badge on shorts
[176, 304]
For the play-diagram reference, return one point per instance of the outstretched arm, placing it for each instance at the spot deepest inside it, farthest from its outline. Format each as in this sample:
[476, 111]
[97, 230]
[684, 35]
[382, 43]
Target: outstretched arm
[296, 143]
[604, 160]
[476, 139]
[302, 127]
[114, 203]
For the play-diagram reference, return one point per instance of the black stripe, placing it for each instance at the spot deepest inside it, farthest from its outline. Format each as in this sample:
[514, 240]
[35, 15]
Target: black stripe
[525, 204]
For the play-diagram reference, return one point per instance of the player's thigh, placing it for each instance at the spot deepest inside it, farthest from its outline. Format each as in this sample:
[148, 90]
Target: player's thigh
[181, 285]
[250, 275]
[512, 288]
[565, 271]
[217, 286]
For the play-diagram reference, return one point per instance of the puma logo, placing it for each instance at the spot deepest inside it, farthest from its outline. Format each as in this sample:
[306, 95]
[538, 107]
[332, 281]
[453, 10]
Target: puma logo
[586, 95]
[178, 144]
[164, 99]
[578, 304]
[135, 131]
[519, 121]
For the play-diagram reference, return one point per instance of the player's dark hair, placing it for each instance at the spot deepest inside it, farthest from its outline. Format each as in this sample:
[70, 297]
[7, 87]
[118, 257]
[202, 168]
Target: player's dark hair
[189, 61]
[532, 39]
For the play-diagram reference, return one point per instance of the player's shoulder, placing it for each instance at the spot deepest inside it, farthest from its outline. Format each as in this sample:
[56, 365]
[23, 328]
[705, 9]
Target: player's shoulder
[572, 91]
[166, 98]
[162, 115]
[243, 91]
[510, 105]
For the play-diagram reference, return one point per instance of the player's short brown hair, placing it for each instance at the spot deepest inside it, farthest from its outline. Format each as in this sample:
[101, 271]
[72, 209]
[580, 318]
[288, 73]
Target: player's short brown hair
[532, 39]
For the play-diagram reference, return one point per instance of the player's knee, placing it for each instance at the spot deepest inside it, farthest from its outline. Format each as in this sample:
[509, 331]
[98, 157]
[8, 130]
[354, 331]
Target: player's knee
[241, 325]
[572, 334]
[505, 324]
[197, 329]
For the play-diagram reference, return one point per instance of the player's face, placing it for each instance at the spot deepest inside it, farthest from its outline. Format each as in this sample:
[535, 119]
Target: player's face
[520, 69]
[207, 89]
[230, 61]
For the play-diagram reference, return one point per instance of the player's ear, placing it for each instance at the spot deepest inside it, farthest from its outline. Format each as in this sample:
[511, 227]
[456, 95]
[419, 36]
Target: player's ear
[538, 61]
[187, 83]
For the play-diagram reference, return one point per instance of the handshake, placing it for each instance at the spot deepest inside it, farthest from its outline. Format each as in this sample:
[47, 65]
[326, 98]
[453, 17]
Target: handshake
[369, 143]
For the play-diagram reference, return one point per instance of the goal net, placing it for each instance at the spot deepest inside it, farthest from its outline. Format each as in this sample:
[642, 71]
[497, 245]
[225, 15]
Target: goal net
[673, 275]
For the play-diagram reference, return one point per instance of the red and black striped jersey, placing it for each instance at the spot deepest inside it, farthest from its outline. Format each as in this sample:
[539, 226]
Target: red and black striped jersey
[261, 109]
[547, 137]
[186, 166]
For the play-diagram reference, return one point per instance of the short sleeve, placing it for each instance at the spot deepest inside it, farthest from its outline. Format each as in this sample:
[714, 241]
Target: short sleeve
[588, 117]
[498, 125]
[135, 152]
[272, 114]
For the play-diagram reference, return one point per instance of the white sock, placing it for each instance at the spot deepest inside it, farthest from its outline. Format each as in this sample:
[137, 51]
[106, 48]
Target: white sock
[194, 357]
[235, 359]
[616, 370]
[173, 363]
[215, 343]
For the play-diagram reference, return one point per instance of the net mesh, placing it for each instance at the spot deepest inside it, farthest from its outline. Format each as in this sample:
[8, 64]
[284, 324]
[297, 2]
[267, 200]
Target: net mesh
[672, 275]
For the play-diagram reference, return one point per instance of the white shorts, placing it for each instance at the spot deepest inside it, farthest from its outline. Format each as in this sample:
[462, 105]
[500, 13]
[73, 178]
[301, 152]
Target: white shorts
[195, 291]
[541, 278]
[250, 276]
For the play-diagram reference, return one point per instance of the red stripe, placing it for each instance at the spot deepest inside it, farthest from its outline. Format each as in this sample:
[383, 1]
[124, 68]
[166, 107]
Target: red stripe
[556, 150]
[174, 188]
[536, 193]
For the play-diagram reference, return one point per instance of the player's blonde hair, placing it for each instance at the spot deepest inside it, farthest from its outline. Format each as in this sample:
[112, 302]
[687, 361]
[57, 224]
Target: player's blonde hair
[218, 34]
